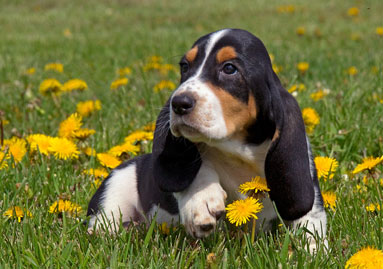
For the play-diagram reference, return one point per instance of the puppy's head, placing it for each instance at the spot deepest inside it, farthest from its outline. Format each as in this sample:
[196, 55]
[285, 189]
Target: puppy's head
[223, 87]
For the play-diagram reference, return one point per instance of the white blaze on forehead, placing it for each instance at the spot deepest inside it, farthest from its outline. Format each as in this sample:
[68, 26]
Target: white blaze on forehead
[208, 48]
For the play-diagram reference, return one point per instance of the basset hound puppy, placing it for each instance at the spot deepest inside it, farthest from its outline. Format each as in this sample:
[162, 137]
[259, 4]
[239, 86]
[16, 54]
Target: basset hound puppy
[228, 121]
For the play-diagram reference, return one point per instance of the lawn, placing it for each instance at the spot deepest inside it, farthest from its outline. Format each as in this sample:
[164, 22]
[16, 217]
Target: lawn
[341, 41]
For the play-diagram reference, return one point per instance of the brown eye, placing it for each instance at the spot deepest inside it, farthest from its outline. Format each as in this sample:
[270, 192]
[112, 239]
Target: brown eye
[184, 67]
[229, 69]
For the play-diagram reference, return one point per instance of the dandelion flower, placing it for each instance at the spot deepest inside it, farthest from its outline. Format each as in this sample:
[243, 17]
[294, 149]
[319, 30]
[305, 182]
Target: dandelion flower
[63, 148]
[151, 66]
[155, 59]
[277, 68]
[320, 94]
[164, 84]
[286, 9]
[150, 127]
[310, 118]
[69, 126]
[240, 211]
[84, 133]
[89, 151]
[3, 160]
[4, 122]
[55, 67]
[40, 141]
[368, 257]
[139, 136]
[326, 167]
[300, 87]
[67, 33]
[329, 199]
[62, 206]
[368, 163]
[108, 160]
[118, 83]
[88, 107]
[300, 30]
[303, 67]
[373, 207]
[126, 147]
[97, 173]
[379, 31]
[125, 71]
[30, 71]
[16, 148]
[50, 86]
[352, 71]
[75, 85]
[17, 212]
[353, 12]
[257, 184]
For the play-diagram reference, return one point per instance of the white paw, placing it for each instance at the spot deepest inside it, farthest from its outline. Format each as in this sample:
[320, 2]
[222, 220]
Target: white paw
[199, 211]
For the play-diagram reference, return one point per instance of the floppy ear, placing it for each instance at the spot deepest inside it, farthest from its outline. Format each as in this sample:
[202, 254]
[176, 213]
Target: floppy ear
[287, 165]
[176, 160]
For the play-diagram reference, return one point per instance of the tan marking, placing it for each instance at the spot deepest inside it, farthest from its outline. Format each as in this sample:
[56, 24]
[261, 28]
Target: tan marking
[226, 53]
[276, 135]
[237, 115]
[191, 54]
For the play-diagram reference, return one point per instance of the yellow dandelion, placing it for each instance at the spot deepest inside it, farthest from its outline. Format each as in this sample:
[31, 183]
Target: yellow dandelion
[300, 30]
[320, 94]
[277, 68]
[62, 206]
[3, 160]
[272, 57]
[126, 147]
[108, 160]
[286, 9]
[155, 59]
[139, 136]
[118, 83]
[379, 31]
[16, 147]
[63, 148]
[165, 68]
[240, 211]
[67, 33]
[50, 86]
[69, 126]
[300, 87]
[303, 67]
[4, 122]
[326, 167]
[352, 71]
[368, 163]
[310, 118]
[30, 71]
[39, 141]
[84, 133]
[97, 173]
[329, 199]
[367, 258]
[75, 85]
[89, 151]
[257, 184]
[17, 212]
[164, 228]
[125, 71]
[152, 66]
[373, 207]
[164, 84]
[55, 67]
[88, 107]
[150, 127]
[353, 12]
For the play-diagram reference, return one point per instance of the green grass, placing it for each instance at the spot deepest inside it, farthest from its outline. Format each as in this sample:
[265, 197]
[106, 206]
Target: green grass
[107, 35]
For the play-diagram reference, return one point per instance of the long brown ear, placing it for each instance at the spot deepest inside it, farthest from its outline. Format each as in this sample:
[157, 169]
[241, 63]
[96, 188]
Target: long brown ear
[176, 160]
[287, 165]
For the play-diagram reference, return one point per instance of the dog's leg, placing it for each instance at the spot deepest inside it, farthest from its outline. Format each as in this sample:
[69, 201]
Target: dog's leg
[202, 203]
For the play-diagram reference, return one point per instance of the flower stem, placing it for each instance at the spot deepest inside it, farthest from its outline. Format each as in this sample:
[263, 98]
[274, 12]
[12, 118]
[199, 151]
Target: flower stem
[253, 231]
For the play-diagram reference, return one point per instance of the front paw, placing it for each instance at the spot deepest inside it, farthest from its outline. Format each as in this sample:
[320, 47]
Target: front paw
[200, 211]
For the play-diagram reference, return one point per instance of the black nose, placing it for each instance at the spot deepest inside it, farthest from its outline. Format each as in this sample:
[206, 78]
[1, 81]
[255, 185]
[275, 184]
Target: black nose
[183, 104]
